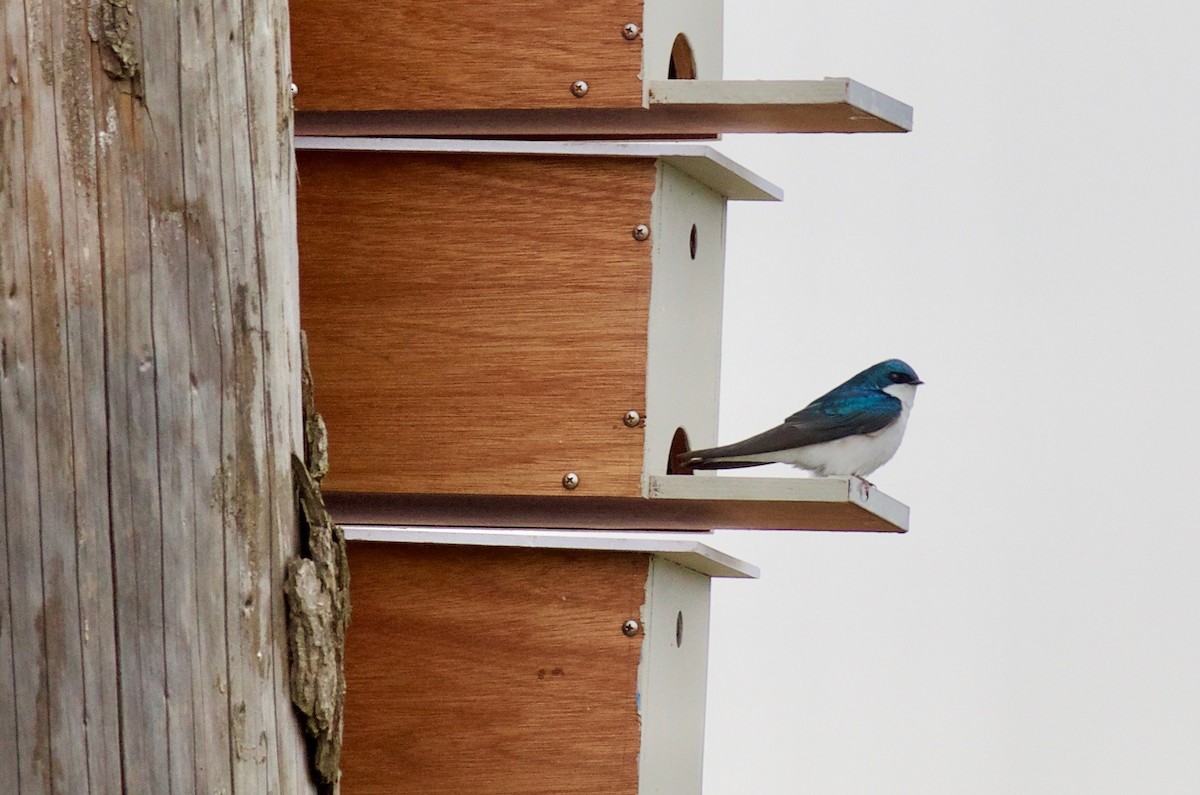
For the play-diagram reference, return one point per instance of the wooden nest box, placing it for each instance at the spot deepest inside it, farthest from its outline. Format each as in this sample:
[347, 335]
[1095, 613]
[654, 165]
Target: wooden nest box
[544, 68]
[539, 662]
[524, 334]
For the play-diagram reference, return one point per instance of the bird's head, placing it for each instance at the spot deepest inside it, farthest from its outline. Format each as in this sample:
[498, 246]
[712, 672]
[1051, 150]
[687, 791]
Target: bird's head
[891, 373]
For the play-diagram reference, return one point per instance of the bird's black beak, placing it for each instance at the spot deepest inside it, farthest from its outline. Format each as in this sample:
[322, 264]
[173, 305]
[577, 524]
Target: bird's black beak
[918, 382]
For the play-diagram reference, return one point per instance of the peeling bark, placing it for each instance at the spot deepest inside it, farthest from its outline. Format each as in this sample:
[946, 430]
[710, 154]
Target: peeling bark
[317, 587]
[112, 28]
[316, 440]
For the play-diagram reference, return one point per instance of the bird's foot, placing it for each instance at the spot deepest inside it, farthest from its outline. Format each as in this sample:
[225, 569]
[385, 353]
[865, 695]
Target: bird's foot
[864, 487]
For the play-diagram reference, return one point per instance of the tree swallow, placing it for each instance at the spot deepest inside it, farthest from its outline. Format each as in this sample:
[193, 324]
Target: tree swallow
[852, 429]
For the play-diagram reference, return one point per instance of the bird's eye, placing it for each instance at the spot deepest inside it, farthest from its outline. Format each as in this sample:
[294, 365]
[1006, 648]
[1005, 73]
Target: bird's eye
[899, 378]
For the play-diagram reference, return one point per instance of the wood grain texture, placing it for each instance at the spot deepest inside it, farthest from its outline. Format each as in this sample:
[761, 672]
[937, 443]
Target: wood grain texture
[27, 714]
[148, 390]
[443, 54]
[210, 331]
[9, 753]
[477, 324]
[492, 671]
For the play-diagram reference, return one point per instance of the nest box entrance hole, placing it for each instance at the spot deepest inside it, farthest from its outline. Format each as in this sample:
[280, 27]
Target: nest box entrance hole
[679, 446]
[683, 63]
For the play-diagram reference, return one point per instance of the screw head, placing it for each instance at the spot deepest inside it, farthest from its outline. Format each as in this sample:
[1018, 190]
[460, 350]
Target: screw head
[579, 88]
[295, 89]
[570, 481]
[630, 31]
[632, 419]
[641, 232]
[630, 627]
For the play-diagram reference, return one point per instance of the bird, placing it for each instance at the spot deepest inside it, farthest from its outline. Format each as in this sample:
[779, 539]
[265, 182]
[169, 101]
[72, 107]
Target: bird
[853, 429]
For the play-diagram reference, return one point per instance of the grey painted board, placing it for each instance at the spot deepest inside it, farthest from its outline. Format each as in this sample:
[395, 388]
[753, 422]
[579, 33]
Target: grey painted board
[683, 368]
[702, 162]
[686, 549]
[672, 680]
[863, 105]
[700, 22]
[849, 491]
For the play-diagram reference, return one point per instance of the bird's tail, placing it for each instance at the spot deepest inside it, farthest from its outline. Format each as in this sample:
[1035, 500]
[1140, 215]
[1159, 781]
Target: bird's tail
[718, 464]
[712, 458]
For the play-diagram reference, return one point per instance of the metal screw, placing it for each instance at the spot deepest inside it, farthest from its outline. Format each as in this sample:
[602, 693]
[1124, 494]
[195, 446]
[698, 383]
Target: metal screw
[579, 88]
[632, 419]
[570, 481]
[630, 31]
[630, 627]
[295, 89]
[641, 232]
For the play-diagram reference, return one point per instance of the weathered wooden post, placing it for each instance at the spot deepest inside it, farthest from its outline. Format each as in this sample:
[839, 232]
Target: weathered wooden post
[149, 397]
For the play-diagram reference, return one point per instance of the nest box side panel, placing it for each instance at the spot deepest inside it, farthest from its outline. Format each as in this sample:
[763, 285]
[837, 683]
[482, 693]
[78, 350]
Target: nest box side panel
[492, 670]
[462, 54]
[673, 678]
[477, 323]
[683, 380]
[701, 23]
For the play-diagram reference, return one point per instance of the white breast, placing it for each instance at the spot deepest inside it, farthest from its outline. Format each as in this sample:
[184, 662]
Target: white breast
[855, 455]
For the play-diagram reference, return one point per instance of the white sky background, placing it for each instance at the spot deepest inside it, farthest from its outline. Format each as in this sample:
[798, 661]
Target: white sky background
[1033, 250]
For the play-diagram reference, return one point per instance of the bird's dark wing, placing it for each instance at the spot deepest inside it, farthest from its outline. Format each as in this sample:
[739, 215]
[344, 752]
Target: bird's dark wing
[848, 413]
[827, 418]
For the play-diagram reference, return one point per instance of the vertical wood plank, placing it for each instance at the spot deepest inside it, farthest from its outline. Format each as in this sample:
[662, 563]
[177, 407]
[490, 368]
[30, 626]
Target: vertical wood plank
[10, 212]
[9, 715]
[9, 776]
[206, 228]
[84, 329]
[19, 420]
[9, 773]
[49, 232]
[133, 450]
[259, 502]
[241, 611]
[168, 80]
[135, 499]
[273, 163]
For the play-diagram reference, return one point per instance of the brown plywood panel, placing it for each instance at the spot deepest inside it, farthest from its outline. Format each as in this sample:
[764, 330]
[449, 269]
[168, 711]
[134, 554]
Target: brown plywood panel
[477, 324]
[493, 671]
[443, 54]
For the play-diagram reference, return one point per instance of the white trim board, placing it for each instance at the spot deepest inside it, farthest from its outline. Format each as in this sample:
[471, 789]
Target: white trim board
[699, 161]
[864, 104]
[681, 548]
[847, 490]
